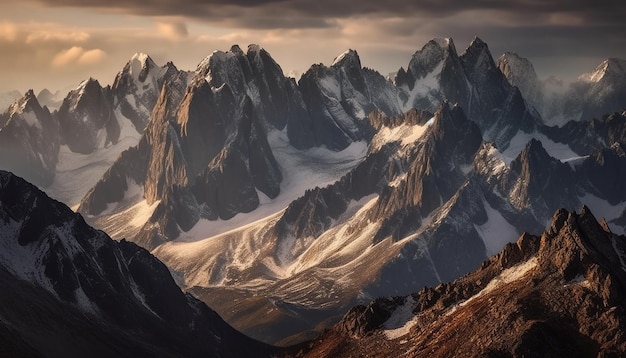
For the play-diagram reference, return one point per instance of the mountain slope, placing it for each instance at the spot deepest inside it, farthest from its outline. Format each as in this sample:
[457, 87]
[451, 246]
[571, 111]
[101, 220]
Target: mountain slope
[428, 204]
[70, 290]
[29, 140]
[560, 294]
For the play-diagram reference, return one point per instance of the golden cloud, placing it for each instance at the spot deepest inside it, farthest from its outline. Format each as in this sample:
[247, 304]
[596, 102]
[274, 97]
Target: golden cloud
[46, 36]
[173, 30]
[77, 55]
[8, 31]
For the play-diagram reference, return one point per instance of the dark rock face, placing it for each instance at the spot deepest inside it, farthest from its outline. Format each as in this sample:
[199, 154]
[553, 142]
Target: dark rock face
[449, 145]
[338, 98]
[86, 120]
[601, 174]
[497, 107]
[29, 140]
[227, 185]
[558, 294]
[540, 182]
[519, 71]
[116, 298]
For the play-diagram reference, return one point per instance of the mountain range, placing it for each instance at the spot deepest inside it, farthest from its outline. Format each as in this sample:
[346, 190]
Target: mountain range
[282, 204]
[75, 292]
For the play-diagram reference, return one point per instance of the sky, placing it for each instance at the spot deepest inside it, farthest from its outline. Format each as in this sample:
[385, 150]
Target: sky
[56, 44]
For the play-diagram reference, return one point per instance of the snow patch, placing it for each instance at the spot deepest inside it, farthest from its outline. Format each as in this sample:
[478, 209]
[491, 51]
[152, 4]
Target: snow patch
[496, 232]
[505, 277]
[25, 261]
[401, 320]
[601, 208]
[425, 87]
[560, 151]
[341, 57]
[330, 87]
[77, 173]
[83, 302]
[579, 280]
[406, 134]
[31, 119]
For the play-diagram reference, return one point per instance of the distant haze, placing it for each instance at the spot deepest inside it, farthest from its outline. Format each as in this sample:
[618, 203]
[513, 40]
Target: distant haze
[56, 44]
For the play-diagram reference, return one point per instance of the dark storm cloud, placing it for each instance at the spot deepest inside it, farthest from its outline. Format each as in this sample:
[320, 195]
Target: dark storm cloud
[313, 13]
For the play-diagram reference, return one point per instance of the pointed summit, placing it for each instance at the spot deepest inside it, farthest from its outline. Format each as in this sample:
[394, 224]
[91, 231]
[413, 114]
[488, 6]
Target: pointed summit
[84, 112]
[477, 58]
[607, 70]
[140, 65]
[236, 50]
[350, 58]
[538, 180]
[27, 103]
[430, 56]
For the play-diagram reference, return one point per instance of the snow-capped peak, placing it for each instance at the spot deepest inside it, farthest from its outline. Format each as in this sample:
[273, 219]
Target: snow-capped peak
[140, 66]
[608, 67]
[140, 57]
[348, 56]
[443, 42]
[216, 56]
[254, 48]
[236, 50]
[22, 105]
[84, 84]
[432, 51]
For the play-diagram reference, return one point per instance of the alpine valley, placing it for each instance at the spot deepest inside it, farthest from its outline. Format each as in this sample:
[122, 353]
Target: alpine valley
[284, 204]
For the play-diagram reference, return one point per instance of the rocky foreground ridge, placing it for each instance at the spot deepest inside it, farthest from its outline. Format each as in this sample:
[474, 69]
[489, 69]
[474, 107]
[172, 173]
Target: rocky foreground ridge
[560, 294]
[69, 290]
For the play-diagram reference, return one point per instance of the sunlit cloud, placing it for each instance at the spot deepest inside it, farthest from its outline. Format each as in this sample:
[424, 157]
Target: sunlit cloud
[173, 30]
[77, 55]
[8, 31]
[57, 35]
[91, 57]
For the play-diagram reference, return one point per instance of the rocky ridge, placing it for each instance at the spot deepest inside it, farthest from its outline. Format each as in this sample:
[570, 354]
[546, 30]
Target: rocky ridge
[76, 292]
[557, 294]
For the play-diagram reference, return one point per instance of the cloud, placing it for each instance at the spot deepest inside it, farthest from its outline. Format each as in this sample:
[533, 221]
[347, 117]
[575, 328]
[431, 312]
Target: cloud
[77, 55]
[8, 31]
[91, 57]
[313, 13]
[173, 30]
[297, 33]
[57, 35]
